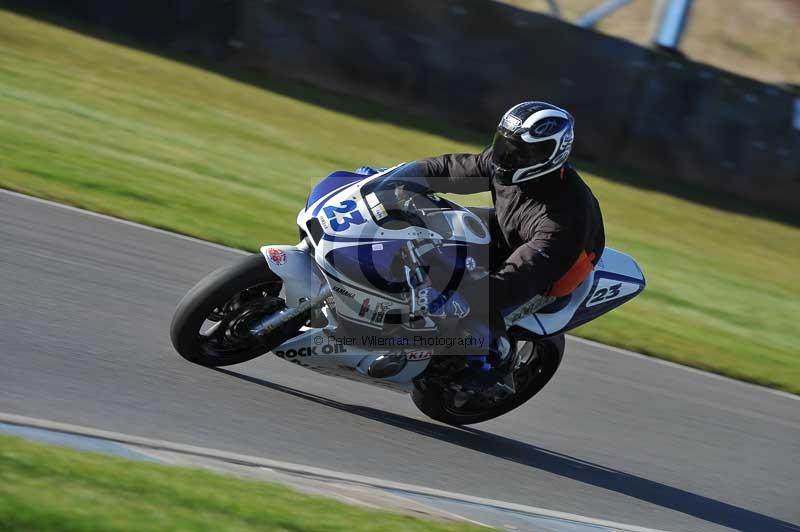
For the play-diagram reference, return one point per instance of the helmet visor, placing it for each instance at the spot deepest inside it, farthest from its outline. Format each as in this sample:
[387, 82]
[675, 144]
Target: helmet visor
[511, 153]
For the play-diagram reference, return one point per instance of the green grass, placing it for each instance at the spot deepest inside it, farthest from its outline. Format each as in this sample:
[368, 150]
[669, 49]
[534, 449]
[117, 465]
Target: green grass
[119, 131]
[47, 488]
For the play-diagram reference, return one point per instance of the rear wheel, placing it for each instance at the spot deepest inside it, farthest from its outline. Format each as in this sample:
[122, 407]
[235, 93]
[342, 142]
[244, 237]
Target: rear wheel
[211, 325]
[539, 361]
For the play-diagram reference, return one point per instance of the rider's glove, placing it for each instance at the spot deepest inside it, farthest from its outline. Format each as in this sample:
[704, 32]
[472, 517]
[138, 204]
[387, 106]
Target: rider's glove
[438, 305]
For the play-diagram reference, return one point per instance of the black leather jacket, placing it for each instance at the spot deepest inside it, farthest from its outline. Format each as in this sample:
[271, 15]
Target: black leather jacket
[544, 225]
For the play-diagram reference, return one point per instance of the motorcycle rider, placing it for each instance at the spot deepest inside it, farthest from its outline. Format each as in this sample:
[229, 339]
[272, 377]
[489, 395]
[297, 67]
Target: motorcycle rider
[546, 226]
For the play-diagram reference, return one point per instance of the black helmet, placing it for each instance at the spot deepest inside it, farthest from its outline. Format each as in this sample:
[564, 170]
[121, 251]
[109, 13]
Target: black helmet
[532, 139]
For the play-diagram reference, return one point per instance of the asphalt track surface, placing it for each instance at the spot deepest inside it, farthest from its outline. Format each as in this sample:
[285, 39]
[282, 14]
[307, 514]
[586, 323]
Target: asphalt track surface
[85, 308]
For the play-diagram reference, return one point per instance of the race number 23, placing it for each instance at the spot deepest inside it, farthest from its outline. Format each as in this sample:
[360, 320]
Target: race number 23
[342, 216]
[605, 294]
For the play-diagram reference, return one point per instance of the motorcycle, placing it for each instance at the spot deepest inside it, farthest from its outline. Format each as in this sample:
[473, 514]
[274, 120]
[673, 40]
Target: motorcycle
[352, 300]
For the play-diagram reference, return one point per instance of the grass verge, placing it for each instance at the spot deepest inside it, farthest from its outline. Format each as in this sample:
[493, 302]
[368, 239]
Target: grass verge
[48, 488]
[123, 132]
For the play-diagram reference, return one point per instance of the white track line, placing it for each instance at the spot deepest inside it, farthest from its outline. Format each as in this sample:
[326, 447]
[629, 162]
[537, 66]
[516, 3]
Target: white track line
[120, 221]
[298, 469]
[241, 252]
[675, 365]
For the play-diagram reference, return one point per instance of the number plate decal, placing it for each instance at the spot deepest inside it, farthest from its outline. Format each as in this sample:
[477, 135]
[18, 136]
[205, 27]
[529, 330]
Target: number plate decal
[610, 289]
[342, 216]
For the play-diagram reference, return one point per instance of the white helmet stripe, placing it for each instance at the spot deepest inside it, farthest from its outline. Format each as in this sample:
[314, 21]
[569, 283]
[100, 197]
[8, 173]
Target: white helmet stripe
[530, 139]
[544, 113]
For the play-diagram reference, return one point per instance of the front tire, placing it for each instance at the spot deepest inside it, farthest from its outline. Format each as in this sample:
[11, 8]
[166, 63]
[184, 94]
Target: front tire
[436, 403]
[230, 299]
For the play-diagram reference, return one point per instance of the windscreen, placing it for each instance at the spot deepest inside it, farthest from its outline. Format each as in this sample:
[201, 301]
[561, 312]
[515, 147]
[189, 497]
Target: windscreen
[398, 203]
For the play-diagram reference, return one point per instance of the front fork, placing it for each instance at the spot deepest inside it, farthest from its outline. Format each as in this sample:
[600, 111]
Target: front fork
[304, 288]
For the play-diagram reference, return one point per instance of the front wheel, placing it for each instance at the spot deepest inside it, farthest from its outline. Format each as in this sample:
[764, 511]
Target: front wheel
[539, 361]
[211, 325]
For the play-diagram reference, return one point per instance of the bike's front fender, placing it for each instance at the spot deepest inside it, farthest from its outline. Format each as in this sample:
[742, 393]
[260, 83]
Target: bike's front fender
[298, 271]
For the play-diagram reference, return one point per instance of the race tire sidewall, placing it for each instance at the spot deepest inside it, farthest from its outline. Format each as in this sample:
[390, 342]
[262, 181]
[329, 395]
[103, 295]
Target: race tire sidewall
[212, 291]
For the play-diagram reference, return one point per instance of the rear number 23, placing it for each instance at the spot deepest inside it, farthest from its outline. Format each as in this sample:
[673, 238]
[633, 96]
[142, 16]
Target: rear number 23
[605, 294]
[345, 214]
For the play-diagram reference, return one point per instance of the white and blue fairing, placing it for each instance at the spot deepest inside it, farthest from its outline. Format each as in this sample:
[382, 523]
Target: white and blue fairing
[357, 242]
[616, 279]
[359, 229]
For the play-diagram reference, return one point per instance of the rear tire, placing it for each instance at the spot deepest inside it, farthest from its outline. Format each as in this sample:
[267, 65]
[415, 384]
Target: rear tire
[248, 290]
[433, 401]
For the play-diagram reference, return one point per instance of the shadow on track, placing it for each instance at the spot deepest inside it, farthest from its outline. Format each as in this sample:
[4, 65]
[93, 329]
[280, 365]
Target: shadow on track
[649, 491]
